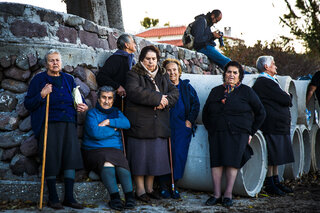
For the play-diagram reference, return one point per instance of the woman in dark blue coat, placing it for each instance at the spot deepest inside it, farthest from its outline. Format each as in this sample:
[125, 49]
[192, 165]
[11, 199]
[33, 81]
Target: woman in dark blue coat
[182, 122]
[63, 148]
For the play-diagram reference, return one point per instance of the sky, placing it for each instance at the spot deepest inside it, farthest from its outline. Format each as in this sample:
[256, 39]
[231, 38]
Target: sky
[250, 20]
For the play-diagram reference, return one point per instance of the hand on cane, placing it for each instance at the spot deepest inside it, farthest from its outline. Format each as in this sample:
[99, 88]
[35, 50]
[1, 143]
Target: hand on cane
[47, 89]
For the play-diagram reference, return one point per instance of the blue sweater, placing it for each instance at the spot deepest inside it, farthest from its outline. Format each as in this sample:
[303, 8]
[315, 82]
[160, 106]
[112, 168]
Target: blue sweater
[61, 102]
[96, 137]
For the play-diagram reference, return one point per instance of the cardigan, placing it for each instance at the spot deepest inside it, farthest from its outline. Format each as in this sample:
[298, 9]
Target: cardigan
[276, 103]
[242, 112]
[61, 102]
[103, 136]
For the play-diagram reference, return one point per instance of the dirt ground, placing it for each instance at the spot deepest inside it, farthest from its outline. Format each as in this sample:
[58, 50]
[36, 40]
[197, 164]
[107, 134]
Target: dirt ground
[306, 198]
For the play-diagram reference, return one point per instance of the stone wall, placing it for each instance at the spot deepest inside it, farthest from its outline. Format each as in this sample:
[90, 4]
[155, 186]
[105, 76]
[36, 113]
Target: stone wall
[26, 34]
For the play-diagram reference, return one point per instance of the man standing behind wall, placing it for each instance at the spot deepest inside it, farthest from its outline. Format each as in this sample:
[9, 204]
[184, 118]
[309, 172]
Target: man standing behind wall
[314, 87]
[204, 37]
[114, 71]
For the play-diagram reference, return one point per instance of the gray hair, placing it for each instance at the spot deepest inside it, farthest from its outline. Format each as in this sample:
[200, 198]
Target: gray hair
[122, 40]
[107, 89]
[49, 53]
[264, 60]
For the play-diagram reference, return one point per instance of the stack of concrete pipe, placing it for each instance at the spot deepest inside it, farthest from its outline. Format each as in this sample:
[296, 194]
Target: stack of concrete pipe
[304, 134]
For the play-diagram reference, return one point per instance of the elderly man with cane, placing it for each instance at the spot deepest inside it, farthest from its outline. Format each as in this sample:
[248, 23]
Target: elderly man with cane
[63, 149]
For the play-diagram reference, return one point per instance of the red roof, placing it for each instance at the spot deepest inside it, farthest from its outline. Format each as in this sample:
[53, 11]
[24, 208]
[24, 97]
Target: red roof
[177, 42]
[165, 31]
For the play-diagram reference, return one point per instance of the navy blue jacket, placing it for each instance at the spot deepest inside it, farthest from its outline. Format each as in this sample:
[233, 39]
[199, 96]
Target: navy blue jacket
[190, 100]
[61, 106]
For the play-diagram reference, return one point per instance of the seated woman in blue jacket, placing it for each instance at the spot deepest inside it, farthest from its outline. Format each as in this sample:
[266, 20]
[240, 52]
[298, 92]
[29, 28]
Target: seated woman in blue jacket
[103, 149]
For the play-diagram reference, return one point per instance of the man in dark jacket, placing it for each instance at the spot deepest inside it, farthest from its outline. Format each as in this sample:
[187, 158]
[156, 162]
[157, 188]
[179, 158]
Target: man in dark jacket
[204, 37]
[314, 87]
[114, 71]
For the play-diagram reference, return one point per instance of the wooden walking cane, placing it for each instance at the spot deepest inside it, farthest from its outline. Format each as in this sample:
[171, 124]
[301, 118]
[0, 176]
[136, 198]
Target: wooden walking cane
[171, 167]
[123, 144]
[44, 150]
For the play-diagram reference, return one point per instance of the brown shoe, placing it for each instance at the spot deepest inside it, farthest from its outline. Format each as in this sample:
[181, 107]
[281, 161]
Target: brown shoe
[144, 198]
[54, 205]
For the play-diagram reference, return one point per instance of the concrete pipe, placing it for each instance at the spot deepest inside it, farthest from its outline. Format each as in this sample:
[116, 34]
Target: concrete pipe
[315, 148]
[301, 89]
[316, 113]
[294, 170]
[287, 85]
[197, 174]
[204, 83]
[305, 136]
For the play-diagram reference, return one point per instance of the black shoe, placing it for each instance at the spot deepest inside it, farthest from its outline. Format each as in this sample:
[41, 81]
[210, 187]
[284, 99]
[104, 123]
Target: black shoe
[54, 205]
[227, 202]
[73, 205]
[154, 195]
[116, 204]
[273, 190]
[130, 201]
[144, 198]
[284, 188]
[213, 201]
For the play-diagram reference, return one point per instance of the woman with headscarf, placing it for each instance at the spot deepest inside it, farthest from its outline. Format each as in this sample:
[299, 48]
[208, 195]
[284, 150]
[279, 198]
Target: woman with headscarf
[232, 114]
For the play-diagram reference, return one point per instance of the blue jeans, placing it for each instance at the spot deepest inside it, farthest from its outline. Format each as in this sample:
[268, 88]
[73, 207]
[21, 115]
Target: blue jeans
[215, 56]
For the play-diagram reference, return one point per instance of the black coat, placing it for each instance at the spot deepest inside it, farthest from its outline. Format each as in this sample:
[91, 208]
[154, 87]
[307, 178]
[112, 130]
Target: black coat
[276, 103]
[113, 73]
[142, 97]
[202, 32]
[243, 112]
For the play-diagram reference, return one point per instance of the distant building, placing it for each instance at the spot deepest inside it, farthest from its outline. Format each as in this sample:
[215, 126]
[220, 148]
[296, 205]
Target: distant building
[173, 35]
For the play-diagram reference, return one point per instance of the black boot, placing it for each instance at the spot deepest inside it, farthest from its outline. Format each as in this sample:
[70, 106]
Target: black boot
[271, 188]
[53, 196]
[130, 201]
[281, 186]
[68, 195]
[115, 202]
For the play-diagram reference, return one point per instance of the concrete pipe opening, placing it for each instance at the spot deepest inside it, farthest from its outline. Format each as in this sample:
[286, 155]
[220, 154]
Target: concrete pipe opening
[197, 174]
[315, 148]
[303, 117]
[305, 136]
[294, 170]
[287, 85]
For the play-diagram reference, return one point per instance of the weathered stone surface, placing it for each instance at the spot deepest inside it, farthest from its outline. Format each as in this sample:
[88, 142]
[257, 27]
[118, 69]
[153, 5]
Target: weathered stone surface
[21, 110]
[25, 125]
[29, 147]
[74, 21]
[95, 71]
[89, 104]
[14, 86]
[93, 97]
[1, 152]
[20, 164]
[68, 69]
[90, 26]
[90, 39]
[112, 41]
[187, 55]
[84, 89]
[32, 59]
[91, 79]
[81, 117]
[196, 69]
[8, 101]
[50, 16]
[12, 138]
[5, 62]
[12, 9]
[17, 74]
[24, 28]
[1, 75]
[181, 53]
[67, 34]
[169, 48]
[22, 62]
[102, 31]
[93, 176]
[103, 43]
[80, 73]
[8, 121]
[8, 154]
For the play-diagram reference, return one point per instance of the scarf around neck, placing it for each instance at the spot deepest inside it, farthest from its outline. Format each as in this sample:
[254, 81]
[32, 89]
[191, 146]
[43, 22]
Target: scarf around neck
[266, 75]
[112, 112]
[228, 90]
[152, 75]
[130, 56]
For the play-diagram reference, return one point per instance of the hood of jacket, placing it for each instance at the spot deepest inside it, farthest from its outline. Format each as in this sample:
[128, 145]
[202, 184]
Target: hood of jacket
[138, 68]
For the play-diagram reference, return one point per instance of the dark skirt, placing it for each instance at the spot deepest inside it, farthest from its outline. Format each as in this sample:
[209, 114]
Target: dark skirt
[279, 149]
[94, 159]
[228, 149]
[63, 149]
[148, 156]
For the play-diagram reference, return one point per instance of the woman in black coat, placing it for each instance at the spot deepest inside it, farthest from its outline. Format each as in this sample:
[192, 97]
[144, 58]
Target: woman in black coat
[150, 94]
[232, 114]
[276, 127]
